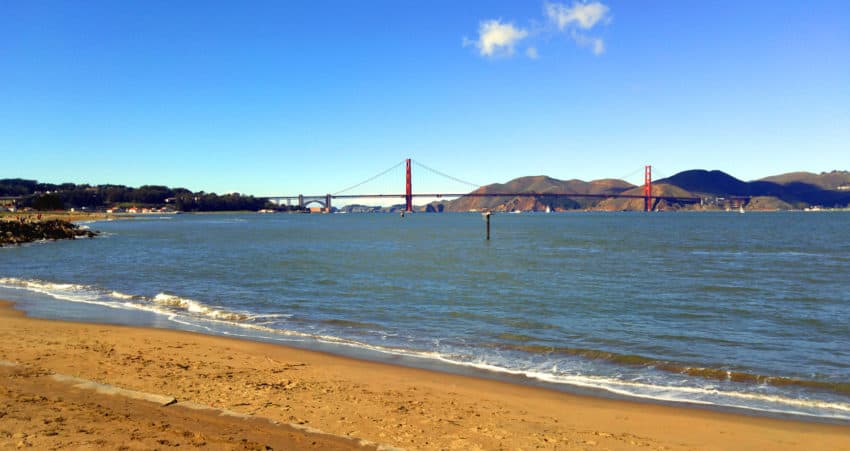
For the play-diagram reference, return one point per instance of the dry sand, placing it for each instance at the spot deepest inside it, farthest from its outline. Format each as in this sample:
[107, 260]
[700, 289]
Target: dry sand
[349, 400]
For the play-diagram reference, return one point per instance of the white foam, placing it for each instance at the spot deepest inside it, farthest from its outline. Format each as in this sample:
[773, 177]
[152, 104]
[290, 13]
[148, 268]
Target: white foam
[93, 295]
[197, 307]
[690, 395]
[62, 291]
[272, 316]
[119, 295]
[149, 308]
[12, 282]
[655, 392]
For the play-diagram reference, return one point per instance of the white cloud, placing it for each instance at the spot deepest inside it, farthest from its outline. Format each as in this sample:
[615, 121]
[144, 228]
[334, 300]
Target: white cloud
[596, 45]
[579, 16]
[496, 38]
[583, 15]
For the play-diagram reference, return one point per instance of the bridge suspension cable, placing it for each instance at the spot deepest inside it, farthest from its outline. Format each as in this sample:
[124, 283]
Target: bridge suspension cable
[634, 173]
[395, 166]
[659, 174]
[473, 185]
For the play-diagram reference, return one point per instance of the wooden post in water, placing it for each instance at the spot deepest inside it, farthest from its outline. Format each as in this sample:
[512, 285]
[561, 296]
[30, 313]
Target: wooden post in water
[487, 219]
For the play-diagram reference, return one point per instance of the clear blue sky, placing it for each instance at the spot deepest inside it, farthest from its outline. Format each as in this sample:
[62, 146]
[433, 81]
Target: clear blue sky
[287, 97]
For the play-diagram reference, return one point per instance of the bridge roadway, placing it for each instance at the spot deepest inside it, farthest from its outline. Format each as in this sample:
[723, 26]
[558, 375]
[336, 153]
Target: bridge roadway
[325, 200]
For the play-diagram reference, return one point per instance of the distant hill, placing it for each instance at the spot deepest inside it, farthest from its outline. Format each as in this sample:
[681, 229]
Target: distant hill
[796, 189]
[658, 189]
[781, 192]
[537, 184]
[835, 180]
[717, 183]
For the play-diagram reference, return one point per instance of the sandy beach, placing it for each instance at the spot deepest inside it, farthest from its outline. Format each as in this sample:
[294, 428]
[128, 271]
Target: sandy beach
[171, 388]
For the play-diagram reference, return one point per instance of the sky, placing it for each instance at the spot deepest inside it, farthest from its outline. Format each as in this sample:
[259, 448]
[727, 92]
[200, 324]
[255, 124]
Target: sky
[279, 98]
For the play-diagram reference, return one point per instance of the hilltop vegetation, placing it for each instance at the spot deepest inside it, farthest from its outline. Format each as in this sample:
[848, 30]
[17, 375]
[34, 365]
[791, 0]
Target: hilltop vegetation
[48, 196]
[834, 180]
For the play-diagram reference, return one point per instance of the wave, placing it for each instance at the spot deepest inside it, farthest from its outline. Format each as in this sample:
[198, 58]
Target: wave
[705, 395]
[716, 374]
[350, 324]
[94, 295]
[119, 295]
[759, 254]
[62, 291]
[197, 307]
[747, 392]
[43, 287]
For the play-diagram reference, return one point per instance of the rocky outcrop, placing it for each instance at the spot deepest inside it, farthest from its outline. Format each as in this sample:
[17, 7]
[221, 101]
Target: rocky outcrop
[23, 231]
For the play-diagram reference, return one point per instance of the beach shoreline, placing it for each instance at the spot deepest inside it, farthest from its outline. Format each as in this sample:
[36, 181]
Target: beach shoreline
[363, 400]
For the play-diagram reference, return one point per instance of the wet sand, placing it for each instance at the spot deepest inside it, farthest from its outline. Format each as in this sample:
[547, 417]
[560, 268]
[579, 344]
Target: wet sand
[291, 395]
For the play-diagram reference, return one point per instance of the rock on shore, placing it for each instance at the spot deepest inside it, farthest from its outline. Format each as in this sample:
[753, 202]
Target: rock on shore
[22, 231]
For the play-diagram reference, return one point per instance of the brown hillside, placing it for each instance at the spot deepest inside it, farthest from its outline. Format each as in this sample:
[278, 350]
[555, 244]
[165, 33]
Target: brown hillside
[659, 189]
[607, 186]
[833, 180]
[537, 184]
[768, 203]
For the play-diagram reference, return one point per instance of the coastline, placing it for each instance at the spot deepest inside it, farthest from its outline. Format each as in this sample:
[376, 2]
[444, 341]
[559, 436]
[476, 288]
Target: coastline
[63, 215]
[378, 402]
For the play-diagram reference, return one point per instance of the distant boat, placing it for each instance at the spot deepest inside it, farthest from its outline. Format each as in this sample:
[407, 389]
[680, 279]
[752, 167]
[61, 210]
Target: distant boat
[741, 209]
[548, 209]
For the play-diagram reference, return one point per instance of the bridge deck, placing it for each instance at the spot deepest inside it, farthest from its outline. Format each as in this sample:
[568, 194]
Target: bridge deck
[527, 194]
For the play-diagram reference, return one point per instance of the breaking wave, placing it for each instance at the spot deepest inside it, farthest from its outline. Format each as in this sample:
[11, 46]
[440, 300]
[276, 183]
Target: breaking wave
[160, 303]
[198, 308]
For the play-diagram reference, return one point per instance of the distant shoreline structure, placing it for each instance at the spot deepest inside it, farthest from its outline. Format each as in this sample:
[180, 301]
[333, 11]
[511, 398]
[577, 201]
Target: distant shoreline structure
[714, 190]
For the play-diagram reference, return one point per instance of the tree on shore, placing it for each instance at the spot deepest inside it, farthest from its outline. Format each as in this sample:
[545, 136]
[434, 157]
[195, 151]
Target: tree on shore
[47, 196]
[48, 202]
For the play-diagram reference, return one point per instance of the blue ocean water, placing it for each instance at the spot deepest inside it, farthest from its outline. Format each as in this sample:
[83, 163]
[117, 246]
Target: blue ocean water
[722, 309]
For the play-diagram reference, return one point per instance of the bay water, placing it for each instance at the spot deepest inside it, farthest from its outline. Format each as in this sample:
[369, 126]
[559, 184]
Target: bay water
[737, 311]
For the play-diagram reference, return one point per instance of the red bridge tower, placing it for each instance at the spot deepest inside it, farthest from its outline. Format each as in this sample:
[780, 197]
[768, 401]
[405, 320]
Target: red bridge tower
[408, 190]
[647, 188]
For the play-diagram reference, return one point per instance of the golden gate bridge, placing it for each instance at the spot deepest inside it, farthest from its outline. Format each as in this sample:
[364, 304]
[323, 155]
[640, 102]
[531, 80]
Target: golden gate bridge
[326, 200]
